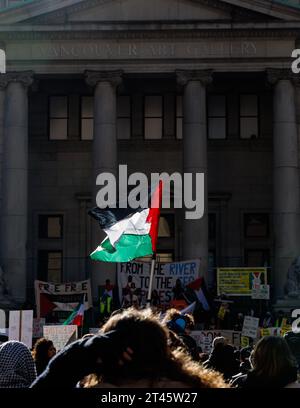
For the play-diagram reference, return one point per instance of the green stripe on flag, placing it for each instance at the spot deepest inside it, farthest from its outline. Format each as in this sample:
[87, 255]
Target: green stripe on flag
[71, 317]
[127, 248]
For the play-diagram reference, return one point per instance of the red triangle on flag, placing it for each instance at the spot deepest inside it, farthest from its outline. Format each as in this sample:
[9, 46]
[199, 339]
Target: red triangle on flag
[46, 306]
[154, 214]
[196, 284]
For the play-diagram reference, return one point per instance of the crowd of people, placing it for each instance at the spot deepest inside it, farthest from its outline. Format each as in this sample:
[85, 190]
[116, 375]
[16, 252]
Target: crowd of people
[141, 348]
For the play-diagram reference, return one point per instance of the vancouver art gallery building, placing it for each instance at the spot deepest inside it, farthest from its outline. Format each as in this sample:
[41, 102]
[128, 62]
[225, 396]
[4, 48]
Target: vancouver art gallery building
[163, 85]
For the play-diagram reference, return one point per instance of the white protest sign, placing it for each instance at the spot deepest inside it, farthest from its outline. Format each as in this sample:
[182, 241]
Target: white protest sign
[3, 329]
[204, 338]
[20, 326]
[37, 329]
[26, 327]
[250, 327]
[14, 325]
[60, 335]
[2, 319]
[261, 292]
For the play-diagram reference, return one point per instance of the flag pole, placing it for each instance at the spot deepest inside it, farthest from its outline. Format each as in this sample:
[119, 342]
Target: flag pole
[153, 260]
[157, 204]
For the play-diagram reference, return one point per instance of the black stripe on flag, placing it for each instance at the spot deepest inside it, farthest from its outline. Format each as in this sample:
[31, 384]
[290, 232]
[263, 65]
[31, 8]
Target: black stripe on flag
[108, 217]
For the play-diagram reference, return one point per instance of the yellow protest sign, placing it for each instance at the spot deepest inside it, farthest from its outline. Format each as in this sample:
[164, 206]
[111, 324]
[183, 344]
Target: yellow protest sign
[221, 313]
[240, 281]
[284, 329]
[265, 332]
[244, 341]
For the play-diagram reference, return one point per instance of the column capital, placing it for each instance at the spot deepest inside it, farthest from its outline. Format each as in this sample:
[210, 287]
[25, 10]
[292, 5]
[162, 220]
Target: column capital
[113, 77]
[184, 76]
[275, 75]
[24, 77]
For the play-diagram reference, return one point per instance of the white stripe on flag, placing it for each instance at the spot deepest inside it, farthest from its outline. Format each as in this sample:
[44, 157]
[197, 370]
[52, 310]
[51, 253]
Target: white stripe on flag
[134, 225]
[202, 299]
[189, 309]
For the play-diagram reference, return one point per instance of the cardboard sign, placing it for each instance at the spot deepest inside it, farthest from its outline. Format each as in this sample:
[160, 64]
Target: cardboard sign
[250, 327]
[20, 326]
[60, 335]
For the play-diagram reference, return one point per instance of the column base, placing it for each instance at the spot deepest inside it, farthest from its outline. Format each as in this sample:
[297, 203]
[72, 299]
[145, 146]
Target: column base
[287, 304]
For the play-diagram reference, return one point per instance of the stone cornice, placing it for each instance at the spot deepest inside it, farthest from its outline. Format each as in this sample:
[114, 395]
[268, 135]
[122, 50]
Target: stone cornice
[147, 32]
[184, 76]
[113, 77]
[24, 77]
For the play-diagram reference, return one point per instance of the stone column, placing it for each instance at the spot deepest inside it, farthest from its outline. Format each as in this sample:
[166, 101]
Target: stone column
[104, 153]
[3, 85]
[285, 178]
[195, 232]
[14, 186]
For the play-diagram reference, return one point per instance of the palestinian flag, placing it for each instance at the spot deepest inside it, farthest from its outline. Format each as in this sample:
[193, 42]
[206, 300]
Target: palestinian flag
[199, 289]
[131, 233]
[76, 317]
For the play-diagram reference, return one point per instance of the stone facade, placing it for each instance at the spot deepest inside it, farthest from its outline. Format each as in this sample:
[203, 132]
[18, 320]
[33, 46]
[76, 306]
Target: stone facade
[181, 48]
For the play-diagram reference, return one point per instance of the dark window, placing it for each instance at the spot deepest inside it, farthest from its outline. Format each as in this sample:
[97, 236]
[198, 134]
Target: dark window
[153, 117]
[257, 257]
[50, 265]
[87, 117]
[217, 123]
[51, 226]
[58, 117]
[179, 117]
[123, 117]
[249, 116]
[166, 226]
[256, 225]
[212, 228]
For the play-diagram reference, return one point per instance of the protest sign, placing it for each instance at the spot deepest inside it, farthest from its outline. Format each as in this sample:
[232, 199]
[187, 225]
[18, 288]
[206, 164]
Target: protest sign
[204, 338]
[20, 326]
[284, 329]
[244, 341]
[265, 332]
[222, 312]
[239, 281]
[60, 335]
[250, 327]
[135, 277]
[2, 319]
[261, 292]
[59, 299]
[37, 329]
